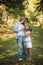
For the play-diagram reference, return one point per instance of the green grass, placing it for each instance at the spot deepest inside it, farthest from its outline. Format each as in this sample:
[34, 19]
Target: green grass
[8, 50]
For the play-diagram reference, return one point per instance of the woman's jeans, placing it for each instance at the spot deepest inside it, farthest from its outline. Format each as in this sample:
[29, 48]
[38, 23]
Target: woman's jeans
[21, 47]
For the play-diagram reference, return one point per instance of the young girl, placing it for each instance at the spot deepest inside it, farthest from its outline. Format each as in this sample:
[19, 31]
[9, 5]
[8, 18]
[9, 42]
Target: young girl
[28, 42]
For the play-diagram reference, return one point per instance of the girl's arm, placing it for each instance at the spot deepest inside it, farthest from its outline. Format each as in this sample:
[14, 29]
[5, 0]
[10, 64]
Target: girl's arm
[30, 36]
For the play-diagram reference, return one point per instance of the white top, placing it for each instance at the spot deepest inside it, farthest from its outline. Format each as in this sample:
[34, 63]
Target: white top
[28, 39]
[19, 29]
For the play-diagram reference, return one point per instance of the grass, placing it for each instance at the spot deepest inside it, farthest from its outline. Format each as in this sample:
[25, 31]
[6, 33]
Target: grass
[8, 50]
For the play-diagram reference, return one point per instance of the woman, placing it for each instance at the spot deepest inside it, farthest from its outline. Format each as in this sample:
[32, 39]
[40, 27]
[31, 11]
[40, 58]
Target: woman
[19, 29]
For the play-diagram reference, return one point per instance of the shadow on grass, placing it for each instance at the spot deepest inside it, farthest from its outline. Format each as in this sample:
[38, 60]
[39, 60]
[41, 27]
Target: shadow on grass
[12, 60]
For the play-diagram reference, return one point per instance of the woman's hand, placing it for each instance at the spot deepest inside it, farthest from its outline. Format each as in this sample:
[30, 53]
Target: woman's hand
[26, 35]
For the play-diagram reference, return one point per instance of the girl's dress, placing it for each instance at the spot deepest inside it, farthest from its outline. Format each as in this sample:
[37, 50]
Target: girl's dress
[28, 40]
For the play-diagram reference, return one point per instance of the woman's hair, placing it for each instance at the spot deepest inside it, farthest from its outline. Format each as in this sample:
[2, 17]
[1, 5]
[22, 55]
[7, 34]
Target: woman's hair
[22, 18]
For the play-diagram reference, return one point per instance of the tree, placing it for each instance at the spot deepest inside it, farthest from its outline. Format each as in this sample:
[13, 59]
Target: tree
[40, 6]
[15, 7]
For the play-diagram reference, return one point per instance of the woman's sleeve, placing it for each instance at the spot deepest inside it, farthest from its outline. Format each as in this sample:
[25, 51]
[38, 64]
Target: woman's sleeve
[20, 28]
[16, 27]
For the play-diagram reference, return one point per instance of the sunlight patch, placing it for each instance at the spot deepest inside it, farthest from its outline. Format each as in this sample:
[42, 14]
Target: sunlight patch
[1, 46]
[1, 56]
[11, 54]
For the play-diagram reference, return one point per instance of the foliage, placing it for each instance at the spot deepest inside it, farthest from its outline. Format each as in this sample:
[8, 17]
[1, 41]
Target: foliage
[15, 7]
[40, 6]
[33, 16]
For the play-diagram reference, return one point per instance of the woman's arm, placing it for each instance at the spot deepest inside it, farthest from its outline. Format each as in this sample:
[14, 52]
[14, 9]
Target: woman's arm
[26, 35]
[16, 27]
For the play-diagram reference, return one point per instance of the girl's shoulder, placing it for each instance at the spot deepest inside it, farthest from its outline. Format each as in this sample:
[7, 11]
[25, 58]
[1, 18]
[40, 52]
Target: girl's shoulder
[28, 32]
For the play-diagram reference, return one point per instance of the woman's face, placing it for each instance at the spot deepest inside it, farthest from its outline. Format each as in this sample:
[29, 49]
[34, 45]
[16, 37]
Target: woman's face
[23, 21]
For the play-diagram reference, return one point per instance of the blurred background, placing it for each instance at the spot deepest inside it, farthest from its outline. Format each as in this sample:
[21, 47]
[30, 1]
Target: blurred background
[10, 13]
